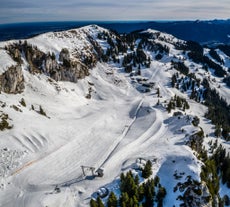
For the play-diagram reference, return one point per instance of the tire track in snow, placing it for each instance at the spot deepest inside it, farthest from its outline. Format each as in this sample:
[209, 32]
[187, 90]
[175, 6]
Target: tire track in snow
[154, 130]
[124, 133]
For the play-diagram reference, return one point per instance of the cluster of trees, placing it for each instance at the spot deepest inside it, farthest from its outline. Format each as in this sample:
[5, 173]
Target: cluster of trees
[156, 47]
[134, 55]
[216, 167]
[4, 124]
[227, 81]
[181, 67]
[135, 60]
[196, 53]
[218, 111]
[189, 82]
[135, 194]
[190, 46]
[119, 44]
[195, 142]
[225, 49]
[222, 163]
[200, 58]
[210, 176]
[179, 102]
[215, 56]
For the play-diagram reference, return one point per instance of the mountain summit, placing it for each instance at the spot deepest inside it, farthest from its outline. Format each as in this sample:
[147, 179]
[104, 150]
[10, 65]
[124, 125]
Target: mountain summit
[87, 112]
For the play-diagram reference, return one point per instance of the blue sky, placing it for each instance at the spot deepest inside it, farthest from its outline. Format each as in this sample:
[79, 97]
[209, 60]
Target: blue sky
[76, 10]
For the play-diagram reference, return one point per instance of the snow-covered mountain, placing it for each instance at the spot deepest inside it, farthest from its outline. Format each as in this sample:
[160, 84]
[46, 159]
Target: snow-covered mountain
[89, 99]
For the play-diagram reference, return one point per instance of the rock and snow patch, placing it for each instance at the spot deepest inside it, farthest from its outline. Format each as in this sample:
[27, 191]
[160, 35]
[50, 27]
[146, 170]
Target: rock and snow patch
[6, 61]
[10, 160]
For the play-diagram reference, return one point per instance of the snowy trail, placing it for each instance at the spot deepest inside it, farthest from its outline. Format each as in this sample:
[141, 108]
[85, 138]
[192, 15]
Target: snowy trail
[132, 145]
[123, 135]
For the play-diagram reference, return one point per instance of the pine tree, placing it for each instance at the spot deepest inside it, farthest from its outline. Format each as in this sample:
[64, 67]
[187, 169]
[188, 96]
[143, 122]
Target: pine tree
[112, 200]
[147, 171]
[99, 202]
[136, 179]
[161, 194]
[158, 102]
[141, 192]
[169, 107]
[22, 102]
[156, 180]
[158, 92]
[124, 200]
[217, 132]
[93, 203]
[149, 193]
[41, 111]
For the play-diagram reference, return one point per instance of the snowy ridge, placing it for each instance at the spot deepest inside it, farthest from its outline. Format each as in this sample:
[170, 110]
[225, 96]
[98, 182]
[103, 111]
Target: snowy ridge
[167, 37]
[71, 39]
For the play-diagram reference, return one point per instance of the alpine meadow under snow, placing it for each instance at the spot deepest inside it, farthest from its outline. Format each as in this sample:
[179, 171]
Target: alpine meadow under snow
[80, 107]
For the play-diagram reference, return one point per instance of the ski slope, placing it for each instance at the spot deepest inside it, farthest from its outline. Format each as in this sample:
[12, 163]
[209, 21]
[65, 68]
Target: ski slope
[115, 127]
[111, 130]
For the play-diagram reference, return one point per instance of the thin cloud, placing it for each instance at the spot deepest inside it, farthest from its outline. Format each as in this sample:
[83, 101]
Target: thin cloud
[59, 10]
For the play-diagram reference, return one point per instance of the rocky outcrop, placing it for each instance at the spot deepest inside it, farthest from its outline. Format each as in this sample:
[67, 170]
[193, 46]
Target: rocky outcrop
[197, 196]
[71, 69]
[12, 80]
[194, 194]
[64, 55]
[67, 68]
[71, 65]
[14, 52]
[74, 71]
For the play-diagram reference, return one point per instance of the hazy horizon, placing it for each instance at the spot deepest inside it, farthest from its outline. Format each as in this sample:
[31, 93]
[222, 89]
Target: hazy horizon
[115, 21]
[25, 11]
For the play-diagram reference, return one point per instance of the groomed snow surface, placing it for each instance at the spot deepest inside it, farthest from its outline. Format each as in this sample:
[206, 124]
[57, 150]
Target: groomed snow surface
[111, 130]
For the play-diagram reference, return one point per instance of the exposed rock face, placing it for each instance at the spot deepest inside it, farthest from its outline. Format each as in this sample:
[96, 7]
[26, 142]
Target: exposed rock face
[198, 196]
[67, 69]
[64, 55]
[34, 57]
[71, 69]
[12, 80]
[14, 52]
[75, 71]
[72, 64]
[194, 194]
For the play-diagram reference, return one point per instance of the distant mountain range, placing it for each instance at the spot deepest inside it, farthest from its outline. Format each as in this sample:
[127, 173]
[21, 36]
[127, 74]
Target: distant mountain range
[213, 31]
